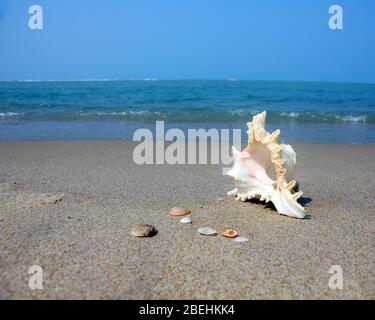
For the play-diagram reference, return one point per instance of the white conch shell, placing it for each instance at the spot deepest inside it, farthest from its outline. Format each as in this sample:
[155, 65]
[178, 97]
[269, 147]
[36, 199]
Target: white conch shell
[264, 170]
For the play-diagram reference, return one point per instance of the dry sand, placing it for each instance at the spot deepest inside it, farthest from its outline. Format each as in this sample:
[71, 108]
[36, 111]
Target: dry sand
[69, 207]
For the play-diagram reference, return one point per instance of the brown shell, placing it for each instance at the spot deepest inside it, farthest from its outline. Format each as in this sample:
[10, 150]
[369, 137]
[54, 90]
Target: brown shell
[178, 212]
[229, 233]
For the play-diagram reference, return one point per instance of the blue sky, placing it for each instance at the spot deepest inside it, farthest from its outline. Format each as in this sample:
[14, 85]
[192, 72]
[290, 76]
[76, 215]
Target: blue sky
[188, 39]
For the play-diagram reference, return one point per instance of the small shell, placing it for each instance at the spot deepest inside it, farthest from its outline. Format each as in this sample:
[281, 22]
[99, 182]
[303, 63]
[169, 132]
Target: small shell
[207, 231]
[241, 239]
[177, 212]
[186, 220]
[229, 233]
[144, 230]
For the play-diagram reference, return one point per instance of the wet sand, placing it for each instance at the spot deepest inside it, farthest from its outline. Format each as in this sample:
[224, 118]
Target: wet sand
[69, 207]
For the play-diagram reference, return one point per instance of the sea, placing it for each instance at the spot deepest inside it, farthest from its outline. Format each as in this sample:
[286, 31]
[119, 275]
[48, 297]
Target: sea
[305, 112]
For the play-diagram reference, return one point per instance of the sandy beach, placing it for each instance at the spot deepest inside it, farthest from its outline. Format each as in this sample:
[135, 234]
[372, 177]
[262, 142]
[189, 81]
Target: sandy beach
[69, 207]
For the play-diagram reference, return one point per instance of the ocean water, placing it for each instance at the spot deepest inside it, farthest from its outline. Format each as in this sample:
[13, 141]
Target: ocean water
[306, 112]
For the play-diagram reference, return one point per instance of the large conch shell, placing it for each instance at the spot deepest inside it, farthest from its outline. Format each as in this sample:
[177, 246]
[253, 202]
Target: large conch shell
[264, 170]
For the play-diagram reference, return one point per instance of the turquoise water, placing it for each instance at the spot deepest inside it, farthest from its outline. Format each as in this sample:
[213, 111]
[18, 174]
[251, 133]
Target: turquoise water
[305, 112]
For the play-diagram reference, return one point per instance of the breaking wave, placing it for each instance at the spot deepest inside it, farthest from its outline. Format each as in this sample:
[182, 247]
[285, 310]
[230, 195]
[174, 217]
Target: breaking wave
[187, 116]
[8, 114]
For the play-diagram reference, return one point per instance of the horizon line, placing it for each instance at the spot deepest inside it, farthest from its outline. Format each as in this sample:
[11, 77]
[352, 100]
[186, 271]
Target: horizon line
[176, 79]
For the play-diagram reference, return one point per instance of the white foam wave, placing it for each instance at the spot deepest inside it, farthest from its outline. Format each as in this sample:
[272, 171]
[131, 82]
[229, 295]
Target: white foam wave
[242, 112]
[352, 118]
[237, 112]
[145, 79]
[121, 113]
[289, 114]
[8, 114]
[68, 80]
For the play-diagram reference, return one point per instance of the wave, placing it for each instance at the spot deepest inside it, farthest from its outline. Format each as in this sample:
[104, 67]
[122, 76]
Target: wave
[326, 117]
[82, 80]
[144, 79]
[290, 114]
[66, 80]
[352, 118]
[192, 115]
[9, 114]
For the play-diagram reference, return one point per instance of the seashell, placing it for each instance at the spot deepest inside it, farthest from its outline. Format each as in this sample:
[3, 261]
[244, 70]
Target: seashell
[144, 230]
[177, 212]
[207, 231]
[229, 233]
[241, 239]
[264, 170]
[186, 220]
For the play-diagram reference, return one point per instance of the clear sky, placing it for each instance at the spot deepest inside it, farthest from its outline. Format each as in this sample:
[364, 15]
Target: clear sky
[188, 39]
